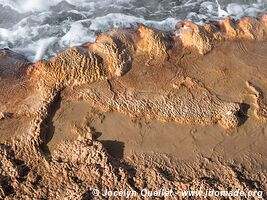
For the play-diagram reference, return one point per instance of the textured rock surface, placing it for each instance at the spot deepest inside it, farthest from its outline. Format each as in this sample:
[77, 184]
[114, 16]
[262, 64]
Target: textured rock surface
[261, 111]
[78, 168]
[188, 103]
[189, 76]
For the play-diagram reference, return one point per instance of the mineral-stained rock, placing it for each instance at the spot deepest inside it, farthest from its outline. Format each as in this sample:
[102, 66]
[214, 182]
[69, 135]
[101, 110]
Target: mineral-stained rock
[13, 65]
[143, 73]
[190, 103]
[195, 36]
[12, 73]
[204, 37]
[79, 168]
[261, 111]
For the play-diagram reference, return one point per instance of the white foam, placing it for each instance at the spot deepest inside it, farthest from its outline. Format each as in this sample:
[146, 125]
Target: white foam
[221, 12]
[41, 47]
[76, 35]
[16, 34]
[235, 9]
[118, 20]
[29, 5]
[36, 50]
[24, 6]
[209, 6]
[252, 11]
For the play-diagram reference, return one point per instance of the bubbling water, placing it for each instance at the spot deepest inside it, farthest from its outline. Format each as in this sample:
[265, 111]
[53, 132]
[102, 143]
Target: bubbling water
[41, 28]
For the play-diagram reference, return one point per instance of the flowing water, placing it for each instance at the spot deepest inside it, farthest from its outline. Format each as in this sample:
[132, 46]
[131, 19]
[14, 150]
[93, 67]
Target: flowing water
[41, 28]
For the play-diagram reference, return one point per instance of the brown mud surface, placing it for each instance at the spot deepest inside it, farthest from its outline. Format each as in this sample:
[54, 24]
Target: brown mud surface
[138, 109]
